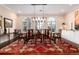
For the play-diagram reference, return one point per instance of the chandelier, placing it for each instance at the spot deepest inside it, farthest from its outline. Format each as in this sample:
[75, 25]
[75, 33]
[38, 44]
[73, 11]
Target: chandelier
[43, 10]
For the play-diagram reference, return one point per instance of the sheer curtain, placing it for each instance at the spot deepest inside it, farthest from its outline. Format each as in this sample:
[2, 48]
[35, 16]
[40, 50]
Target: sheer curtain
[51, 24]
[26, 24]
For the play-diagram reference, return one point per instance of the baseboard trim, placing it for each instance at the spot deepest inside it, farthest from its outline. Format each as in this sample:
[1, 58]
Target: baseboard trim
[70, 42]
[7, 43]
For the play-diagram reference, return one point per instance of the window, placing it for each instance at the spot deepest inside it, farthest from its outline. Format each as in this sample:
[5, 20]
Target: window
[39, 23]
[51, 23]
[26, 24]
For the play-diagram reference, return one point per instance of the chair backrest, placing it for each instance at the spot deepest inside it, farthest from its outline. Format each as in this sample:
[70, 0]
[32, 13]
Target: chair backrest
[30, 32]
[56, 34]
[46, 32]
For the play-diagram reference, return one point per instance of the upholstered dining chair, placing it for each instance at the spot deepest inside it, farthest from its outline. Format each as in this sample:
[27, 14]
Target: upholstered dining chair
[56, 36]
[47, 36]
[38, 37]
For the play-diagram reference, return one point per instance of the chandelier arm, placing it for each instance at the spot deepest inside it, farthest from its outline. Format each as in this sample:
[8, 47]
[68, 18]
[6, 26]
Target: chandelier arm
[34, 11]
[43, 11]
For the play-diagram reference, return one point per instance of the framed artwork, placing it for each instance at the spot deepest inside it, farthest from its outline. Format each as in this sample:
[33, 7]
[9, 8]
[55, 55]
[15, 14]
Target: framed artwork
[0, 21]
[8, 23]
[77, 19]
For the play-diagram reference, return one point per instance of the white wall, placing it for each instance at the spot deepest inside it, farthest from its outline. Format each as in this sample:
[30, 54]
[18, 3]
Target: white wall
[59, 21]
[70, 20]
[68, 34]
[5, 12]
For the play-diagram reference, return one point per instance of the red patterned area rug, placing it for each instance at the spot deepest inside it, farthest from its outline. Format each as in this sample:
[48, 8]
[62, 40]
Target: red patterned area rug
[60, 48]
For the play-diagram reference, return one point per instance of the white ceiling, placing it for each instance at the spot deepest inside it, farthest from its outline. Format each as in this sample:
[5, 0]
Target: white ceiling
[49, 9]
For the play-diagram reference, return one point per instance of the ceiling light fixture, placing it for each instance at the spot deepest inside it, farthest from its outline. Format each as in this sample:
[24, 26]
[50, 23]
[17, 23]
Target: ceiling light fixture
[34, 12]
[43, 12]
[40, 10]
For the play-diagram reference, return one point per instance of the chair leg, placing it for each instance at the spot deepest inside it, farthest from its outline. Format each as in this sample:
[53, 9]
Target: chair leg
[19, 40]
[54, 40]
[50, 42]
[27, 40]
[35, 41]
[60, 39]
[44, 41]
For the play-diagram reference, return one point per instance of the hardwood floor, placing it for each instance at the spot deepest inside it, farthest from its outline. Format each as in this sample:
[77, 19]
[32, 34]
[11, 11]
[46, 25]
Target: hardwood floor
[6, 40]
